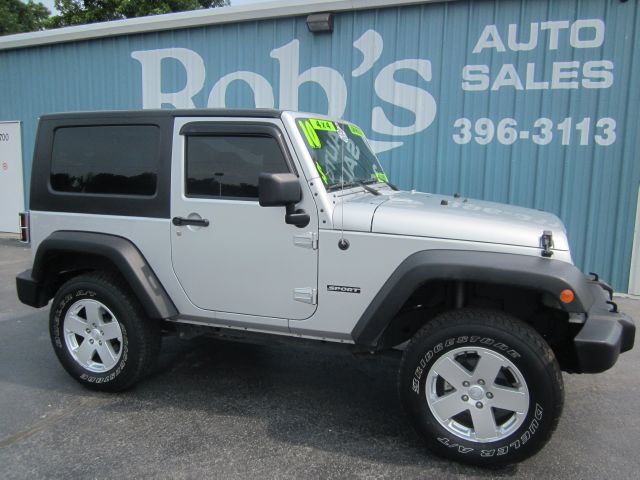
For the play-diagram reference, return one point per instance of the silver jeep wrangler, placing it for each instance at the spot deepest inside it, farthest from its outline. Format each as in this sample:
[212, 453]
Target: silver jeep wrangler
[262, 222]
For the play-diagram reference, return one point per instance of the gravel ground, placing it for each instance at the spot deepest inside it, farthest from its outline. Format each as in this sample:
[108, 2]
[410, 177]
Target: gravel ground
[228, 410]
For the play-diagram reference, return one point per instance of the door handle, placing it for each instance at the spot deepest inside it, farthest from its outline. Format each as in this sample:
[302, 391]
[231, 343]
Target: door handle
[197, 222]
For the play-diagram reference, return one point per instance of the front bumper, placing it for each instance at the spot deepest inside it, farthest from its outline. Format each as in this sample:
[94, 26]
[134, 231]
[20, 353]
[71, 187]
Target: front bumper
[606, 333]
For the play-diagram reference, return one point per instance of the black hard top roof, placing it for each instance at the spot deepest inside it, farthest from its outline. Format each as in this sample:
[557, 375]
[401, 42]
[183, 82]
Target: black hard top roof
[195, 112]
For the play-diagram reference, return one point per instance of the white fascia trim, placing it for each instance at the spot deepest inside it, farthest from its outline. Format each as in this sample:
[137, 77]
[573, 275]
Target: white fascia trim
[195, 18]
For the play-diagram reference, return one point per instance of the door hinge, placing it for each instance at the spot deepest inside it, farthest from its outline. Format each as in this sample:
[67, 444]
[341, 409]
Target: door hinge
[306, 295]
[306, 240]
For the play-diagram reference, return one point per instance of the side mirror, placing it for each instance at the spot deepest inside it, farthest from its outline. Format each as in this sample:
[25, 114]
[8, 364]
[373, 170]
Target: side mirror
[278, 189]
[282, 190]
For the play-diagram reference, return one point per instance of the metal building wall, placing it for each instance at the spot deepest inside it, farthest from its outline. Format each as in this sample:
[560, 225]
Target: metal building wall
[399, 72]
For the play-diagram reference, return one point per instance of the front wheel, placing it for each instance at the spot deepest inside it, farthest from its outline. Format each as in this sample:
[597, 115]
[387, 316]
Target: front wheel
[481, 387]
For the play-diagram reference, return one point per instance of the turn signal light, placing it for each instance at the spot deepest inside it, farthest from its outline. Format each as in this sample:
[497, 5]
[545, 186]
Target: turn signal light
[567, 296]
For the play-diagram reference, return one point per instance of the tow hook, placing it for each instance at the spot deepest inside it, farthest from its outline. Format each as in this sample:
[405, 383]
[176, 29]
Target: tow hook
[546, 242]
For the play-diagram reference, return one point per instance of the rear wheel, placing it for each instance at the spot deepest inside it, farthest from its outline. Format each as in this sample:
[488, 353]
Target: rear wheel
[481, 387]
[100, 333]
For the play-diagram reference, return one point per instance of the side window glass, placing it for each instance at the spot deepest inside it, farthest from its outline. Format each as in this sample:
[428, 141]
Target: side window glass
[111, 160]
[228, 166]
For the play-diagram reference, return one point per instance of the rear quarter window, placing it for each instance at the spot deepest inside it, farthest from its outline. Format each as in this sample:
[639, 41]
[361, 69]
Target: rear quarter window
[111, 160]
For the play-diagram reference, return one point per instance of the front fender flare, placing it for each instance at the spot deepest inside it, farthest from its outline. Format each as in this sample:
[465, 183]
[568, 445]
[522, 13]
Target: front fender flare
[535, 273]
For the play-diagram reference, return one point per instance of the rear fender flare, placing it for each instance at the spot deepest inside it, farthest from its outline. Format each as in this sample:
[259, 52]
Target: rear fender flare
[121, 253]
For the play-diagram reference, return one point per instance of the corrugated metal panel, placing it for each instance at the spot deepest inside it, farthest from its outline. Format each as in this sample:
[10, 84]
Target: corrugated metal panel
[592, 187]
[194, 18]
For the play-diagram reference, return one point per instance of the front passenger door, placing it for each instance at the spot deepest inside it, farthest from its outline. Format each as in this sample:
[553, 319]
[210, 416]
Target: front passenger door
[231, 255]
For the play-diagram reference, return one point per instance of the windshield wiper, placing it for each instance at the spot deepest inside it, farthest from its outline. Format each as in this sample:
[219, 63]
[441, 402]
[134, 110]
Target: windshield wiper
[368, 188]
[386, 182]
[354, 184]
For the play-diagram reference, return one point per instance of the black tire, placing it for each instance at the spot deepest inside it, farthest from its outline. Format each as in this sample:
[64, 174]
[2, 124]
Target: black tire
[459, 332]
[138, 348]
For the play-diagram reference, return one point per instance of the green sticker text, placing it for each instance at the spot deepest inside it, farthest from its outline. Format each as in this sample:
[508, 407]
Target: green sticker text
[322, 125]
[310, 134]
[356, 130]
[382, 178]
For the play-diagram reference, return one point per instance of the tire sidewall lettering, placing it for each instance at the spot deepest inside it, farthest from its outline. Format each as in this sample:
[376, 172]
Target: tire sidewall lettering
[456, 342]
[498, 451]
[57, 320]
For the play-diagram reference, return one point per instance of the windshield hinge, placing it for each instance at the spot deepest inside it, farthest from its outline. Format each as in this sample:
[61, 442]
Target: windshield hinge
[306, 240]
[546, 243]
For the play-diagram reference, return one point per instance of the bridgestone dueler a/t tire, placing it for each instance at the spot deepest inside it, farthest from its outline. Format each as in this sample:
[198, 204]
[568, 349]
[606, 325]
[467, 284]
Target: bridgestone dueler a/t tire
[141, 335]
[500, 333]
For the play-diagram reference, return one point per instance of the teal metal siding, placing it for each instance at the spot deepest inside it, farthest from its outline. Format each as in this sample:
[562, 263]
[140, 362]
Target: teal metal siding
[592, 187]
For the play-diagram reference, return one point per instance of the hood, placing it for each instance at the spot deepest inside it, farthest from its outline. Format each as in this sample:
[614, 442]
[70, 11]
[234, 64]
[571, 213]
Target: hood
[441, 216]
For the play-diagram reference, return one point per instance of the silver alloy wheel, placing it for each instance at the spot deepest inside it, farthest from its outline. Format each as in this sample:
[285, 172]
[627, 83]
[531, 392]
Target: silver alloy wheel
[92, 335]
[477, 394]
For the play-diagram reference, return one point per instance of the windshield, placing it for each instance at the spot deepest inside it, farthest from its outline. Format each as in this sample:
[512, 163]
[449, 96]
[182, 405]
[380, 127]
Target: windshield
[340, 153]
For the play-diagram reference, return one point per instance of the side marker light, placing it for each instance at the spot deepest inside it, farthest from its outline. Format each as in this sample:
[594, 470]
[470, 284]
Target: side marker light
[567, 296]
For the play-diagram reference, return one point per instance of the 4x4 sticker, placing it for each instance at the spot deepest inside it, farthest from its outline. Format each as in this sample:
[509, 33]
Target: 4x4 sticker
[343, 289]
[322, 125]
